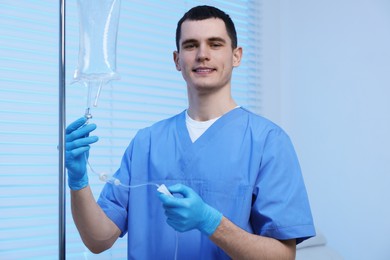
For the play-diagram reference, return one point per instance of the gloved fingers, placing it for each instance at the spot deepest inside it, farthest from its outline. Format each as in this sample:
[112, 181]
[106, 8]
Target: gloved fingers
[178, 226]
[178, 215]
[174, 202]
[182, 189]
[81, 132]
[86, 141]
[76, 125]
[168, 201]
[74, 153]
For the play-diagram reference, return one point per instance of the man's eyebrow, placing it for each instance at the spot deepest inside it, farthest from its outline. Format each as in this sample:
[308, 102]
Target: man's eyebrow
[216, 39]
[189, 41]
[211, 39]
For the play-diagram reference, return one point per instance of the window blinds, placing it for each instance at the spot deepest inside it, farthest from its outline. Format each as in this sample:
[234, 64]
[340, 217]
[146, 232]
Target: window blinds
[28, 129]
[150, 89]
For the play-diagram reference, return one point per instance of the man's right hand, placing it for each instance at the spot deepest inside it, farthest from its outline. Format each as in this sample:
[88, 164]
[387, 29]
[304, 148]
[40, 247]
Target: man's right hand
[77, 151]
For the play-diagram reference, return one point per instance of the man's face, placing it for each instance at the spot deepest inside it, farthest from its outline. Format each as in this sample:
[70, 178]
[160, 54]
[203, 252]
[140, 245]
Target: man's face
[206, 58]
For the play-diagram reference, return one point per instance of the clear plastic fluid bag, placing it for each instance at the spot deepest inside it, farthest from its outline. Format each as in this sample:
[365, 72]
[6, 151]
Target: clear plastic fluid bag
[98, 29]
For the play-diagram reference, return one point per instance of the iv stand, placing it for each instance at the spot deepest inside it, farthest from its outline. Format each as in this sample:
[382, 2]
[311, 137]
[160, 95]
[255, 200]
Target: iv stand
[61, 131]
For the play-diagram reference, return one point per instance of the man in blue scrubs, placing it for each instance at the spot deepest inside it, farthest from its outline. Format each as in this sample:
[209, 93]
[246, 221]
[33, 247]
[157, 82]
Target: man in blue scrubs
[237, 185]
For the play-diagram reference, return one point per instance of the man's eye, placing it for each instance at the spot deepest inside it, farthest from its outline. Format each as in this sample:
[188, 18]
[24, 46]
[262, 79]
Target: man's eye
[216, 45]
[189, 46]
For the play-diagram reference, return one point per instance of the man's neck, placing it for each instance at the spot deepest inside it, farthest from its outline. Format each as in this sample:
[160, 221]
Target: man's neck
[206, 108]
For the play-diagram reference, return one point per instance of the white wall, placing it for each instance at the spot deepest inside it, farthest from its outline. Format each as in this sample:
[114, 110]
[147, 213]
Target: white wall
[327, 82]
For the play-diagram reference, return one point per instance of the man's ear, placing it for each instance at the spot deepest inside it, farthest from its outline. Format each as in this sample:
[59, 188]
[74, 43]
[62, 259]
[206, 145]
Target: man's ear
[176, 60]
[237, 55]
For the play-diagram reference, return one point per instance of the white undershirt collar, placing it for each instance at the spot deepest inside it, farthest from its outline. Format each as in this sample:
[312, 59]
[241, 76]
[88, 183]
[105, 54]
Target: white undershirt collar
[197, 128]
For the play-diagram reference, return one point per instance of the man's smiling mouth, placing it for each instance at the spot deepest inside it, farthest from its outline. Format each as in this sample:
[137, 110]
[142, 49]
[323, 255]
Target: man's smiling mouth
[203, 70]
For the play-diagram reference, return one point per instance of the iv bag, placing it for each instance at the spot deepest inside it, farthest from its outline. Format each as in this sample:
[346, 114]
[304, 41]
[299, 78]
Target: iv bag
[98, 27]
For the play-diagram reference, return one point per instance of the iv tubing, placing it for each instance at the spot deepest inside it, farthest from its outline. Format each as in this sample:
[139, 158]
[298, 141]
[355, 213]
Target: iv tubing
[91, 87]
[106, 178]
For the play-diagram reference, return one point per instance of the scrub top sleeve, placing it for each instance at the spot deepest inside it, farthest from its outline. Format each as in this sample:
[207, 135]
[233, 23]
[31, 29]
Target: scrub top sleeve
[114, 199]
[281, 208]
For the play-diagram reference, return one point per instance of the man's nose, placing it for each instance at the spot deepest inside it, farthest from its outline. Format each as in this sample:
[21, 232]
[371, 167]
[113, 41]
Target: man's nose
[203, 53]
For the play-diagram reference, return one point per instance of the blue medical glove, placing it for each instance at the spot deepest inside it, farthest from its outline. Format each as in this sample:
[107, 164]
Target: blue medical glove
[190, 211]
[76, 152]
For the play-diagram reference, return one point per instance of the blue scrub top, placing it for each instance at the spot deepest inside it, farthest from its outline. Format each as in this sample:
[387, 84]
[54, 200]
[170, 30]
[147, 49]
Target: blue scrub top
[244, 166]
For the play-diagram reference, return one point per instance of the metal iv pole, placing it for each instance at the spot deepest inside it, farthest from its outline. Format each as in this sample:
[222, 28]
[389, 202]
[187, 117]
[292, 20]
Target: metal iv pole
[61, 140]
